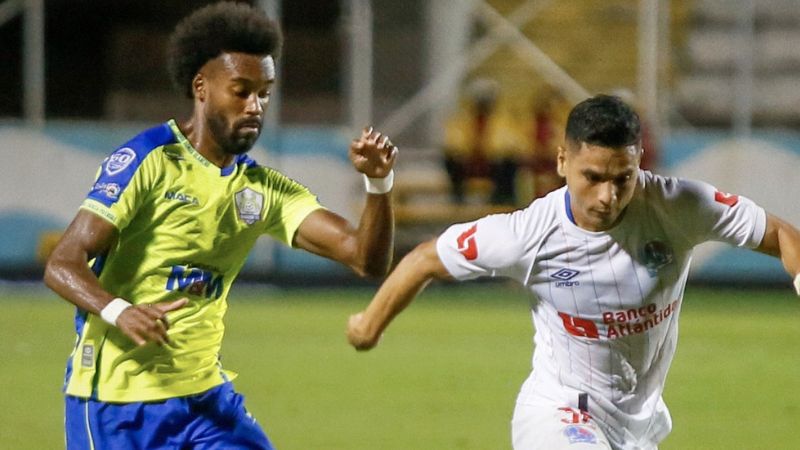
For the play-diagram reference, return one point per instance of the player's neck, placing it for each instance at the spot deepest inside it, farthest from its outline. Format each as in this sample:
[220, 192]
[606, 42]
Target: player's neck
[205, 144]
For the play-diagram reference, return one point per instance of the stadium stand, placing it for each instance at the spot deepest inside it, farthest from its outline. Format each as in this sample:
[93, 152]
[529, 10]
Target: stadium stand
[712, 47]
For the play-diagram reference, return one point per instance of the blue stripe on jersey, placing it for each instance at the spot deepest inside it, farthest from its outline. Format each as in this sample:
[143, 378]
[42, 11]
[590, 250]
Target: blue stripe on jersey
[240, 159]
[97, 266]
[80, 320]
[247, 161]
[227, 170]
[568, 203]
[118, 169]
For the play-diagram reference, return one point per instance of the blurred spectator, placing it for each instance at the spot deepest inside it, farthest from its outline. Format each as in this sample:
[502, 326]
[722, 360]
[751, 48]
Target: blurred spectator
[481, 142]
[545, 134]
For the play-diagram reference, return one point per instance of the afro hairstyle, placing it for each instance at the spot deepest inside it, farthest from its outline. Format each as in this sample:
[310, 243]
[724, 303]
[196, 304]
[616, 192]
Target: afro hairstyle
[216, 29]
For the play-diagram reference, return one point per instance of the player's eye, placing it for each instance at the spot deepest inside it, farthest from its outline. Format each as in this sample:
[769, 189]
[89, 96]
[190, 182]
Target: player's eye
[240, 91]
[622, 180]
[593, 178]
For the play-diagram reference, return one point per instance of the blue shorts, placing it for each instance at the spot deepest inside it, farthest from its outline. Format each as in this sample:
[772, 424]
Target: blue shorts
[214, 419]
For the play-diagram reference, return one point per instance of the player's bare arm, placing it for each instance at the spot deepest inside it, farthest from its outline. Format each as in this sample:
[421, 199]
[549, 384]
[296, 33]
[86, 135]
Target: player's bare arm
[69, 275]
[411, 276]
[782, 240]
[366, 249]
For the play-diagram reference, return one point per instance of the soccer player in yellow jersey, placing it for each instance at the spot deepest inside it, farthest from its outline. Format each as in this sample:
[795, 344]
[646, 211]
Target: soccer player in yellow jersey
[167, 226]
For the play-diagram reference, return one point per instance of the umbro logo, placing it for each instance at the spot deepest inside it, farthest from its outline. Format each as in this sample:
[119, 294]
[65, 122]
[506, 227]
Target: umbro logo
[564, 276]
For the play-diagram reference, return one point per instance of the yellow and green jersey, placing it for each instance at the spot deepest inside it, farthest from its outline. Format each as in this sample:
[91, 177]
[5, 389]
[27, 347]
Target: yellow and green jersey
[185, 229]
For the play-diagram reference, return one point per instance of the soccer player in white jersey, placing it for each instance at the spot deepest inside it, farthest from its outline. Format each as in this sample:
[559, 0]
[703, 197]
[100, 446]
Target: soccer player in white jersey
[168, 224]
[606, 259]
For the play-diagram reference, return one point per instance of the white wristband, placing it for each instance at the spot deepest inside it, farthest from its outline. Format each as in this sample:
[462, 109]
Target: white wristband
[113, 309]
[797, 284]
[379, 185]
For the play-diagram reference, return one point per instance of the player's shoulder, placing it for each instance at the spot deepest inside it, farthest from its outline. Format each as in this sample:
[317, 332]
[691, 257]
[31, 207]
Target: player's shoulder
[675, 193]
[257, 172]
[268, 178]
[149, 140]
[526, 223]
[128, 159]
[129, 156]
[545, 208]
[670, 187]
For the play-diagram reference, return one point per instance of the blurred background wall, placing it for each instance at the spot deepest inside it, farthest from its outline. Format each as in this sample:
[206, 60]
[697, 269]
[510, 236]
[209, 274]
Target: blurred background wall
[716, 81]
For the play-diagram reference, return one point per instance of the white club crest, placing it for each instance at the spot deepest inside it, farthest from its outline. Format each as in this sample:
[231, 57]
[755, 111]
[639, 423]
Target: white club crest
[248, 205]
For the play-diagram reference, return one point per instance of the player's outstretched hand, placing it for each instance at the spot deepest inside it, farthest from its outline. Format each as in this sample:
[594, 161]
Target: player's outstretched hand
[358, 335]
[148, 322]
[373, 153]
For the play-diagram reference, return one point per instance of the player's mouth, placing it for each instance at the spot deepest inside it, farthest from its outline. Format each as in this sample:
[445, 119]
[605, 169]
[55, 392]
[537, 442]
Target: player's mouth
[604, 215]
[602, 212]
[249, 127]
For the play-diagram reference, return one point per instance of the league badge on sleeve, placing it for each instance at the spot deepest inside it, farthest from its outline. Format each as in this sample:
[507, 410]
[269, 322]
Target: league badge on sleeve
[467, 245]
[726, 199]
[248, 205]
[119, 161]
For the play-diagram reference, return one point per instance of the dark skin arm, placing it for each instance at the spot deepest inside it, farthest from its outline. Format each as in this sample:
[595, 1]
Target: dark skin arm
[782, 240]
[366, 249]
[68, 274]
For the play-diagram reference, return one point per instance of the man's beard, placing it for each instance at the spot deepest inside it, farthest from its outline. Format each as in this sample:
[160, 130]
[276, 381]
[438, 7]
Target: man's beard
[229, 138]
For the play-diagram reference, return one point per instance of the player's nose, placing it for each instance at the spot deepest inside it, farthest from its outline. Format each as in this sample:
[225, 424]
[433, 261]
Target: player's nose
[607, 194]
[254, 105]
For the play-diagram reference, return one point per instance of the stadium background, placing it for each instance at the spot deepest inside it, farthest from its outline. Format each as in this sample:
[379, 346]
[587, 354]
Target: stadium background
[716, 79]
[721, 110]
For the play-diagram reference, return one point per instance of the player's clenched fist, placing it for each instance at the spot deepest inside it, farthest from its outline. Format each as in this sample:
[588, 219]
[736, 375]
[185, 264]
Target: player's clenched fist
[358, 333]
[148, 322]
[373, 153]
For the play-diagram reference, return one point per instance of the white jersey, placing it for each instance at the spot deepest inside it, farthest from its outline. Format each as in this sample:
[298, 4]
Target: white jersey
[605, 304]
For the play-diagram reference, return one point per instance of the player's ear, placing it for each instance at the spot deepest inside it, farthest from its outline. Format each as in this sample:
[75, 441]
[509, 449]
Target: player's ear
[199, 87]
[561, 159]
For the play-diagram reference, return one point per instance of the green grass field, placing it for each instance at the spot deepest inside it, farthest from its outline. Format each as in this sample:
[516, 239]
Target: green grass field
[444, 377]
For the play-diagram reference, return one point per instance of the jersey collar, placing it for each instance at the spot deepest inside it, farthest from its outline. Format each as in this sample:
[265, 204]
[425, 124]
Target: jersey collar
[224, 171]
[568, 206]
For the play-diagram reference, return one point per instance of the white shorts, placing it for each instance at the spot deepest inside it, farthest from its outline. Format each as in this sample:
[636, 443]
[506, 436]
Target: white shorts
[551, 427]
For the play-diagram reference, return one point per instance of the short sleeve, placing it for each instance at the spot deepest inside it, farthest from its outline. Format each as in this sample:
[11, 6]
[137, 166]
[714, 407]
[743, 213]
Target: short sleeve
[121, 184]
[126, 176]
[291, 204]
[708, 214]
[491, 246]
